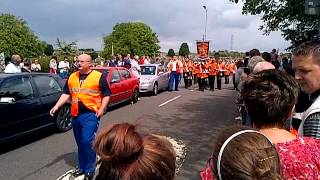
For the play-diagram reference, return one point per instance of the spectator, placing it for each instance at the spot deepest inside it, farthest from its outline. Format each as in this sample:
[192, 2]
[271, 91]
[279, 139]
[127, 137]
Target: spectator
[53, 65]
[26, 66]
[254, 52]
[126, 154]
[253, 62]
[135, 67]
[244, 154]
[266, 56]
[306, 64]
[13, 65]
[269, 98]
[261, 66]
[64, 68]
[35, 67]
[113, 62]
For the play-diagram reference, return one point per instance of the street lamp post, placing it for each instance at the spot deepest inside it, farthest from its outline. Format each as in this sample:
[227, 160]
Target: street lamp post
[205, 27]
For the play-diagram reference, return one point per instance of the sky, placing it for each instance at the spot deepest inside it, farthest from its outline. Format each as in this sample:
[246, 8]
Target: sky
[174, 21]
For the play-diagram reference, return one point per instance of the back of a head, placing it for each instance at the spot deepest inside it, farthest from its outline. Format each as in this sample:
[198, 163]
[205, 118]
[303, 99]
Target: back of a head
[269, 97]
[266, 56]
[246, 155]
[125, 154]
[261, 66]
[254, 52]
[253, 62]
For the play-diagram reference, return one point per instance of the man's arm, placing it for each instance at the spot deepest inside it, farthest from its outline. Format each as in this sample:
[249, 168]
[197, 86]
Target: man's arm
[311, 126]
[104, 103]
[62, 100]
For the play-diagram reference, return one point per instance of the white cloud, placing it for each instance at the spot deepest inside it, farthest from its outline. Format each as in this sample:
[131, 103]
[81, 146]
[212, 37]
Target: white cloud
[174, 21]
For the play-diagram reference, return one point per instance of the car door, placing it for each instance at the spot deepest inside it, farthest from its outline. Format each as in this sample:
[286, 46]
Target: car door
[115, 87]
[162, 77]
[49, 92]
[17, 102]
[126, 83]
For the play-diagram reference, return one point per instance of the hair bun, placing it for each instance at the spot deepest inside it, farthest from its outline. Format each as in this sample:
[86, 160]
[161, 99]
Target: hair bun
[120, 144]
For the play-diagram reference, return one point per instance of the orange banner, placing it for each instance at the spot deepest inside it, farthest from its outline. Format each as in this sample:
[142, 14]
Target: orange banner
[203, 49]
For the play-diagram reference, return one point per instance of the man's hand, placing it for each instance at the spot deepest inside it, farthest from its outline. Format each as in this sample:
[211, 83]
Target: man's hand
[99, 113]
[53, 110]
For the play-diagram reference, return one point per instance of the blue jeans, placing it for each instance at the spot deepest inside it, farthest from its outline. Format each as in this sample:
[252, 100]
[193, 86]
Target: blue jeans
[174, 78]
[85, 126]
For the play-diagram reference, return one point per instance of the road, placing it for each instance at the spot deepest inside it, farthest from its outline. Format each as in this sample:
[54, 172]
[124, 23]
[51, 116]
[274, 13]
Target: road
[193, 117]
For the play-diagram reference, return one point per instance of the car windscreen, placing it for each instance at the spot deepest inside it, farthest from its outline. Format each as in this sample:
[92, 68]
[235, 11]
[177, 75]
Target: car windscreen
[104, 71]
[148, 70]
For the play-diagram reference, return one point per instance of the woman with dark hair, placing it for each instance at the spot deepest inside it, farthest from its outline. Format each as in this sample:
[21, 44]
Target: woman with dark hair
[127, 155]
[269, 97]
[242, 153]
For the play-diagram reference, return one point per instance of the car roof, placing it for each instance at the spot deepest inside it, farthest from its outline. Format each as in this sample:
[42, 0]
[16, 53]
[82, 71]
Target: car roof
[103, 67]
[6, 75]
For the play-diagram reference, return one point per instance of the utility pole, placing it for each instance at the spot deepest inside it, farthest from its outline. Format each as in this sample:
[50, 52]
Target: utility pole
[205, 27]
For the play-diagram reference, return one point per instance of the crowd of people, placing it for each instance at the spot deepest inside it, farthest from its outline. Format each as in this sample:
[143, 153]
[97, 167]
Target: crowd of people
[266, 146]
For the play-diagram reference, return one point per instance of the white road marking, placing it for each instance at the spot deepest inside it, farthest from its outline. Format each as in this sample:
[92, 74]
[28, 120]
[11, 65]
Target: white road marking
[170, 100]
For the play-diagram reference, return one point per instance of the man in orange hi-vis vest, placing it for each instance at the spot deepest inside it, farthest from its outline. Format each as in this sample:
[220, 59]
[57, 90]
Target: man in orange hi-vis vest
[175, 68]
[89, 93]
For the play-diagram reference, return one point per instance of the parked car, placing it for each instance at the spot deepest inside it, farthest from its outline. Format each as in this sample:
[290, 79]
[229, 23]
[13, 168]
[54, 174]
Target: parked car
[123, 85]
[25, 102]
[154, 77]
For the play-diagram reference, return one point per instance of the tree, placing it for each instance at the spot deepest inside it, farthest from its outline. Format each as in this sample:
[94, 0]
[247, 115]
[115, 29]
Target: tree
[287, 16]
[65, 48]
[17, 38]
[184, 50]
[171, 53]
[48, 49]
[134, 38]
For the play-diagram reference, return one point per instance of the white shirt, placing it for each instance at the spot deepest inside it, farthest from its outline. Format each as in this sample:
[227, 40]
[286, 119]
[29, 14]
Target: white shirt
[11, 68]
[63, 66]
[135, 68]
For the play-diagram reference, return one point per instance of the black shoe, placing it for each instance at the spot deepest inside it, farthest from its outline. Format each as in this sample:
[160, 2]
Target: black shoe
[77, 173]
[88, 176]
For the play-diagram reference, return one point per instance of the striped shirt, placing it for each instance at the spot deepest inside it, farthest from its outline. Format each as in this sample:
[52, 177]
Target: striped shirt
[311, 127]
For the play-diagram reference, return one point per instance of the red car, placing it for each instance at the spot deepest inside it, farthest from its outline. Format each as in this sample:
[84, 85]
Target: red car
[123, 85]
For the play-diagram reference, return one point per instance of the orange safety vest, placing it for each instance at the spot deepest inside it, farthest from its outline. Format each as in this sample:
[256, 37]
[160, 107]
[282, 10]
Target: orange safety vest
[88, 93]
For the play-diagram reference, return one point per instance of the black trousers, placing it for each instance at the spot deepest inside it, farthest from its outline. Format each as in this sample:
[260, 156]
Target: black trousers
[219, 79]
[211, 79]
[226, 79]
[201, 83]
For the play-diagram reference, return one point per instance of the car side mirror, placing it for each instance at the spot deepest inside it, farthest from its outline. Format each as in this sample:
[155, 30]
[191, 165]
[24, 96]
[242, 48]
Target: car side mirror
[160, 73]
[7, 100]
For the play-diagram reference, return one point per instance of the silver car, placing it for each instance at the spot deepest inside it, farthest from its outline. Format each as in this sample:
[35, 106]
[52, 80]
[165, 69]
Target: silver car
[154, 77]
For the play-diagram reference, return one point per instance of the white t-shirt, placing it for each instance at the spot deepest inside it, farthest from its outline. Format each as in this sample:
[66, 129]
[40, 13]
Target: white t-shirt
[11, 68]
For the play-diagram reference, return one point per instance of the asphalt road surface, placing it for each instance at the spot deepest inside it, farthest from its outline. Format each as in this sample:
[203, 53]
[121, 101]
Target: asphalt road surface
[191, 116]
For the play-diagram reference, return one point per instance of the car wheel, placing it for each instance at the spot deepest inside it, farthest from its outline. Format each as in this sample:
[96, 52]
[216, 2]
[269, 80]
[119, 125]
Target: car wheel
[155, 89]
[135, 96]
[63, 118]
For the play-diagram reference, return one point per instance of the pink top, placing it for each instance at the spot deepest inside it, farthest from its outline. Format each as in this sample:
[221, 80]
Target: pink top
[300, 158]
